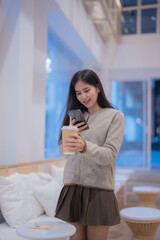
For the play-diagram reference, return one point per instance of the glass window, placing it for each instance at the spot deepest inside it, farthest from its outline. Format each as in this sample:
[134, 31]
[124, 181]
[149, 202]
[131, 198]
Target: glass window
[155, 132]
[148, 20]
[129, 3]
[146, 2]
[130, 98]
[129, 22]
[61, 64]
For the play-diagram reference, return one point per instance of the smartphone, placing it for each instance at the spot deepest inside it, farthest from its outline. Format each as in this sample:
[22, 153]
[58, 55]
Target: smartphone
[78, 116]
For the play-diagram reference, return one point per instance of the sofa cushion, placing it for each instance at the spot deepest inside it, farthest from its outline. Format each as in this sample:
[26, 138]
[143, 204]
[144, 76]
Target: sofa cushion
[57, 173]
[48, 196]
[14, 202]
[17, 200]
[32, 180]
[1, 217]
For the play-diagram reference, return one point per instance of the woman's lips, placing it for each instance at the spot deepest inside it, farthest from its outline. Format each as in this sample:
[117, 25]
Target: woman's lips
[86, 102]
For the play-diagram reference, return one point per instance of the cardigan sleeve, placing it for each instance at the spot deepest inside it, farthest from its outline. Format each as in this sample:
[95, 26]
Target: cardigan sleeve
[61, 149]
[107, 154]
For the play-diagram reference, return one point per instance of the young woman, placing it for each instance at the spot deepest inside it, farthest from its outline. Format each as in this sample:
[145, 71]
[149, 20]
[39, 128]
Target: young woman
[87, 199]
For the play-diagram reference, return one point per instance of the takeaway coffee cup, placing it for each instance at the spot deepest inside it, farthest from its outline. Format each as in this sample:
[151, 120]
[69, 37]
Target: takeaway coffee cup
[66, 131]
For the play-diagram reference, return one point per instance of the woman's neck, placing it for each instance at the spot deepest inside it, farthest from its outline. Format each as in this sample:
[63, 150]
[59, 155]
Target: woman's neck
[94, 109]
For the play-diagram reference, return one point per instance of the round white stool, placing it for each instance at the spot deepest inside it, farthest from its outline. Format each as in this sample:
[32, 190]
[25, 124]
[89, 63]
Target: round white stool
[47, 230]
[142, 221]
[147, 195]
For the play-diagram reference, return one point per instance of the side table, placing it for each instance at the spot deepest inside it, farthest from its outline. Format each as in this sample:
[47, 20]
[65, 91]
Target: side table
[46, 230]
[147, 195]
[142, 221]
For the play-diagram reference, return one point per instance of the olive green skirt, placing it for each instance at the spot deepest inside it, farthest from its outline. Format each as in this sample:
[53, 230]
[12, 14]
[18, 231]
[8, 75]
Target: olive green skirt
[88, 206]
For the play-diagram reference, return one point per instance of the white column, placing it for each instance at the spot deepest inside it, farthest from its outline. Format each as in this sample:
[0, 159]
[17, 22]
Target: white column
[25, 81]
[9, 78]
[39, 81]
[23, 34]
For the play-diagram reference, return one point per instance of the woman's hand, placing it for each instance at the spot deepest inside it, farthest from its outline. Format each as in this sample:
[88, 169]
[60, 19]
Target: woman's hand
[79, 126]
[75, 143]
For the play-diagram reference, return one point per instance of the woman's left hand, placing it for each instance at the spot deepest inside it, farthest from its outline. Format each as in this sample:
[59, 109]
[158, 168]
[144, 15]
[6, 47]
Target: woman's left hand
[75, 143]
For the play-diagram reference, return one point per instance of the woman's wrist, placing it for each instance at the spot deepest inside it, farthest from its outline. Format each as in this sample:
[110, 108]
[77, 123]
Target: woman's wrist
[84, 148]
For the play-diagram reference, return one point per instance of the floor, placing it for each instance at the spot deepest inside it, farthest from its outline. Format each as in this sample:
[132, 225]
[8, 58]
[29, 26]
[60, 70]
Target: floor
[122, 232]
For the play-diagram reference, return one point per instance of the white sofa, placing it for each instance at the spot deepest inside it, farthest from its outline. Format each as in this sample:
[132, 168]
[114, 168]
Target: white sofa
[28, 197]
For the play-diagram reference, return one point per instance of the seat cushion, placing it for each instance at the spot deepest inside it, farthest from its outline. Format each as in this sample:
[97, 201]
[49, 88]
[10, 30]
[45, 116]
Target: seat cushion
[148, 189]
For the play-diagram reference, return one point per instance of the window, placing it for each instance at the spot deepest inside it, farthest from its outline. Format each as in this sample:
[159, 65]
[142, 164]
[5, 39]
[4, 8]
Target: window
[141, 144]
[148, 21]
[61, 64]
[130, 98]
[146, 2]
[155, 133]
[129, 23]
[140, 17]
[129, 3]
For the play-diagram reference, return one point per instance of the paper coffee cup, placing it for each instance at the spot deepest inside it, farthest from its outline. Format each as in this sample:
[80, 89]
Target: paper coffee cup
[66, 131]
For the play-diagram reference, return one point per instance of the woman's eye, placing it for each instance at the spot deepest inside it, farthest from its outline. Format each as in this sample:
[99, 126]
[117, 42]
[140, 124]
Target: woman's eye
[78, 93]
[86, 91]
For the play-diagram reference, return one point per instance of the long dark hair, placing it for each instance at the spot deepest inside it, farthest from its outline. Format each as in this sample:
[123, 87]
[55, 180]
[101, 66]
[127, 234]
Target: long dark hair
[90, 77]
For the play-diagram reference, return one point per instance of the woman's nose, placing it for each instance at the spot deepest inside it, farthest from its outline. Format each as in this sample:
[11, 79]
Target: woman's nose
[83, 96]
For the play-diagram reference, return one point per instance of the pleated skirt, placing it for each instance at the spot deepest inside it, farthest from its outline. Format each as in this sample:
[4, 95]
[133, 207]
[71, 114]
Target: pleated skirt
[88, 206]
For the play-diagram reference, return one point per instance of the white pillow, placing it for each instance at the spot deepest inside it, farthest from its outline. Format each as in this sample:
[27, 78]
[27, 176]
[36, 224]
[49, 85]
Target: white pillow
[14, 200]
[45, 176]
[32, 180]
[17, 200]
[57, 173]
[48, 196]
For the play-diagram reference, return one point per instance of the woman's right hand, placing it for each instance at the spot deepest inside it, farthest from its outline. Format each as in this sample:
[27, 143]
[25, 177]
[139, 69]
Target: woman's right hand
[78, 125]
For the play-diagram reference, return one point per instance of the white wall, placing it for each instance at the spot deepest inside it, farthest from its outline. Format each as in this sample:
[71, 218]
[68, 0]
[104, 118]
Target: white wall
[9, 42]
[138, 52]
[37, 129]
[137, 57]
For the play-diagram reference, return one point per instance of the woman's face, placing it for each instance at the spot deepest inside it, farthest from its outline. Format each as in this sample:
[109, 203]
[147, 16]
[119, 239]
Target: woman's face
[87, 94]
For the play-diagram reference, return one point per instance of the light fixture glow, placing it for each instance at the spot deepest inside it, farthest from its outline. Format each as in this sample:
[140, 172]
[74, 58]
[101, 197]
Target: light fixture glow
[118, 2]
[153, 18]
[138, 120]
[48, 65]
